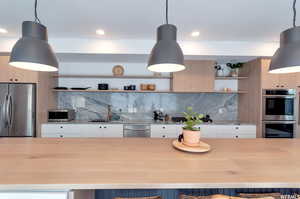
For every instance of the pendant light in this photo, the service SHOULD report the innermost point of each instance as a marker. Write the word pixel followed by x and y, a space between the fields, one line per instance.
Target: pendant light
pixel 166 55
pixel 32 51
pixel 287 58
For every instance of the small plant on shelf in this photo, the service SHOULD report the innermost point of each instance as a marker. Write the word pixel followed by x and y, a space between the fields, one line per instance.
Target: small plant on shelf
pixel 191 134
pixel 234 68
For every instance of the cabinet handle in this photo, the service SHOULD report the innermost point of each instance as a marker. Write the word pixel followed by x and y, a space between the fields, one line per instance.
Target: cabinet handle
pixel 100 127
pixel 61 127
pixel 104 127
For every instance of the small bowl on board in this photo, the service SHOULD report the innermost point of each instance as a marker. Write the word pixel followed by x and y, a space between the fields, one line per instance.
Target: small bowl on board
pixel 202 147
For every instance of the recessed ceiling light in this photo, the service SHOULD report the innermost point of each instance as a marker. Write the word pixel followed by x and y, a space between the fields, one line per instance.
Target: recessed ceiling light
pixel 100 32
pixel 3 31
pixel 195 34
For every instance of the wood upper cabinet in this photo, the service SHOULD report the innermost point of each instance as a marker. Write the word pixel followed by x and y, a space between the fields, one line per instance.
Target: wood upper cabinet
pixel 198 76
pixel 298 80
pixel 272 81
pixel 16 75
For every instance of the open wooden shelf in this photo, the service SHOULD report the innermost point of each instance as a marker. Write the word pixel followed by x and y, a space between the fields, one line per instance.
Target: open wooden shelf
pixel 139 91
pixel 113 77
pixel 230 78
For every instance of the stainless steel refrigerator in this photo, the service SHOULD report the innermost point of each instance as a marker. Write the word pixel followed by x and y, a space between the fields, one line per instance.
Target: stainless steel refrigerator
pixel 17 110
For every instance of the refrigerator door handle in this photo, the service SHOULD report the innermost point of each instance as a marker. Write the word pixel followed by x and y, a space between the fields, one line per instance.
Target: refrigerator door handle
pixel 6 112
pixel 10 110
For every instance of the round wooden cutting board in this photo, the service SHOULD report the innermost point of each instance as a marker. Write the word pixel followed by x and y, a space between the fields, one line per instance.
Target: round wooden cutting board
pixel 118 70
pixel 201 148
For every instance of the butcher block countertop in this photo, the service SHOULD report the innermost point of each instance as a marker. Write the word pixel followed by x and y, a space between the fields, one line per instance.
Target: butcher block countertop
pixel 132 163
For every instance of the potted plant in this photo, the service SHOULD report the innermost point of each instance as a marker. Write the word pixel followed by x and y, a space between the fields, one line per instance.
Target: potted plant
pixel 191 135
pixel 234 68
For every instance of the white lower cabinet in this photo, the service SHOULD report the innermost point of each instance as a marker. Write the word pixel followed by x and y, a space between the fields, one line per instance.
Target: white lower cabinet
pixel 82 130
pixel 228 131
pixel 34 195
pixel 165 131
pixel 73 194
pixel 207 131
pixel 157 130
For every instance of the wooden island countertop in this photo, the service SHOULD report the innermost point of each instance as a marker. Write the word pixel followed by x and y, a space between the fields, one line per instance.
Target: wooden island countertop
pixel 129 163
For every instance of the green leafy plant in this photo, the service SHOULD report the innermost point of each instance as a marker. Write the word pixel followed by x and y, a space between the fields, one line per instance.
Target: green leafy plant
pixel 192 119
pixel 234 66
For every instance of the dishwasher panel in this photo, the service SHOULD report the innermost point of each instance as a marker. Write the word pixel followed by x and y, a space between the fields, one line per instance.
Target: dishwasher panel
pixel 136 130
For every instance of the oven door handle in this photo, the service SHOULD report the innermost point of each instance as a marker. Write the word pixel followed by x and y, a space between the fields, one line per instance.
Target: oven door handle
pixel 279 122
pixel 279 96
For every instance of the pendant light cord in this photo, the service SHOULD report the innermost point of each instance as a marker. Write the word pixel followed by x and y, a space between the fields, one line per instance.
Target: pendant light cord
pixel 295 13
pixel 167 11
pixel 36 18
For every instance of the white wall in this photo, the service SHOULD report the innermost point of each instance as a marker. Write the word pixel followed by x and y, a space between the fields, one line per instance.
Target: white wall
pixel 105 68
pixel 221 84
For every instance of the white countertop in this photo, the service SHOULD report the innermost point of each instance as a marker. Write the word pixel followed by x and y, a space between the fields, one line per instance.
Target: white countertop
pixel 149 122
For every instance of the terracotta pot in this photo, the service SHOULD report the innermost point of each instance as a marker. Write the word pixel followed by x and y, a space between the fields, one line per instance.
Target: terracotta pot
pixel 191 138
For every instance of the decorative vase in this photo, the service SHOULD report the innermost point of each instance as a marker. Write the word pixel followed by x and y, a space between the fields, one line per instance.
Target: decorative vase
pixel 191 138
pixel 235 72
pixel 223 72
pixel 219 73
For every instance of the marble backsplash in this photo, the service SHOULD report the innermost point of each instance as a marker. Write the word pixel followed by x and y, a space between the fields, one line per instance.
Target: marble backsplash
pixel 140 106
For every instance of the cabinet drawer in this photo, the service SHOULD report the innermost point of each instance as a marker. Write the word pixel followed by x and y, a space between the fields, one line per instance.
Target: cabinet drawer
pixel 174 128
pixel 235 135
pixel 62 135
pixel 34 195
pixel 246 129
pixel 167 131
pixel 247 135
pixel 164 135
pixel 82 130
pixel 70 128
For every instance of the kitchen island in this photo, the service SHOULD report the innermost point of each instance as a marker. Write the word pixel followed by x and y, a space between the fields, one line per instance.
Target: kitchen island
pixel 135 163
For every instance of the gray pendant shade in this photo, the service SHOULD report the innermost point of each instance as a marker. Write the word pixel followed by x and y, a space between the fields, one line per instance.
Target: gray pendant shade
pixel 166 55
pixel 32 51
pixel 287 58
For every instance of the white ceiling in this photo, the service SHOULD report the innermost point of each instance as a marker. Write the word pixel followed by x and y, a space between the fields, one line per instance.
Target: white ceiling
pixel 220 20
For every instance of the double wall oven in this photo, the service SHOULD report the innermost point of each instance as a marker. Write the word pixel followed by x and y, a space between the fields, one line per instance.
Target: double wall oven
pixel 278 113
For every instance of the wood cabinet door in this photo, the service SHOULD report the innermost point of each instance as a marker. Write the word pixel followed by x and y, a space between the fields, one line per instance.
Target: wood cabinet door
pixel 24 76
pixel 13 74
pixel 268 80
pixel 288 80
pixel 6 74
pixel 198 76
